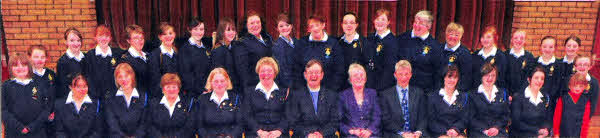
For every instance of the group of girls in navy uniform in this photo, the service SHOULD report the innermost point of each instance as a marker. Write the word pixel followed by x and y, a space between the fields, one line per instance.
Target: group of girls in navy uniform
pixel 255 85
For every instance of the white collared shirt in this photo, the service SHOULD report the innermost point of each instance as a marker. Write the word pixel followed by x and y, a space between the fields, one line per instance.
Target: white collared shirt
pixel 325 37
pixel 454 48
pixel 385 33
pixel 541 60
pixel 517 54
pixel 99 52
pixel 356 37
pixel 568 61
pixel 286 40
pixel 134 53
pixel 534 100
pixel 488 97
pixel 191 40
pixel 486 55
pixel 449 99
pixel 169 52
pixel 70 100
pixel 214 98
pixel 171 108
pixel 267 93
pixel 41 73
pixel 423 37
pixel 134 93
pixel 72 55
pixel 23 82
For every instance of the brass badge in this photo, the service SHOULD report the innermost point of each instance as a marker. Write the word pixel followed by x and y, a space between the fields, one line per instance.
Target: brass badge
pixel 34 94
pixel 379 47
pixel 551 69
pixel 327 52
pixel 523 64
pixel 587 88
pixel 493 60
pixel 113 61
pixel 207 53
pixel 355 45
pixel 452 59
pixel 49 77
pixel 426 50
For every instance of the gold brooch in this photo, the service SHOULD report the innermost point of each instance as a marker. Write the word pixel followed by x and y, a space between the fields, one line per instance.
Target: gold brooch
pixel 355 45
pixel 551 69
pixel 451 59
pixel 588 87
pixel 523 64
pixel 113 61
pixel 426 50
pixel 493 61
pixel 327 52
pixel 207 53
pixel 34 90
pixel 49 77
pixel 379 47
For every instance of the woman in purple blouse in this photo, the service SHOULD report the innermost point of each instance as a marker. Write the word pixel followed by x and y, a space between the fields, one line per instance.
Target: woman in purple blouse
pixel 359 107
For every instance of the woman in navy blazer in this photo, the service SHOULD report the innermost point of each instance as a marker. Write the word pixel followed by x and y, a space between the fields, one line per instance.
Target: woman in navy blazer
pixel 221 53
pixel 218 112
pixel 531 114
pixel 256 44
pixel 265 105
pixel 448 107
pixel 77 115
pixel 489 106
pixel 26 101
pixel 170 116
pixel 359 107
pixel 124 111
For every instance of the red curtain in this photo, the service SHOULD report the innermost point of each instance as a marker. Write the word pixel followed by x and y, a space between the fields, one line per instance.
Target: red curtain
pixel 474 15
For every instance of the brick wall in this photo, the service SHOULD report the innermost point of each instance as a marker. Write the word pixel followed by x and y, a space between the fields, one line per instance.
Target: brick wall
pixel 558 19
pixel 43 22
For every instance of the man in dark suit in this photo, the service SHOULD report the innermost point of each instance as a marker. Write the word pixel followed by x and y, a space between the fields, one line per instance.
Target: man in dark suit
pixel 402 103
pixel 322 118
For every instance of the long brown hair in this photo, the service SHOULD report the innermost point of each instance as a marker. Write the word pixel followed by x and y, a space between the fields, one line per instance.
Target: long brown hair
pixel 221 28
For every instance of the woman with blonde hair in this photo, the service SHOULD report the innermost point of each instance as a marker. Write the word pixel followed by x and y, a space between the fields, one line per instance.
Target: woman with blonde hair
pixel 218 112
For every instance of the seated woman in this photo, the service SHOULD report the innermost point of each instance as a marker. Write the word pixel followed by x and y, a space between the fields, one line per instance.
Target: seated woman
pixel 265 105
pixel 124 111
pixel 573 110
pixel 170 115
pixel 78 116
pixel 530 112
pixel 448 109
pixel 359 107
pixel 489 106
pixel 26 101
pixel 218 113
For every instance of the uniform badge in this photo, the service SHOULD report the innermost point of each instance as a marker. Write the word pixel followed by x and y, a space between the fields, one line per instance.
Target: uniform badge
pixel 523 64
pixel 493 61
pixel 178 105
pixel 207 53
pixel 355 45
pixel 587 88
pixel 34 94
pixel 83 107
pixel 327 52
pixel 49 77
pixel 113 61
pixel 452 59
pixel 426 50
pixel 574 70
pixel 379 47
pixel 551 70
